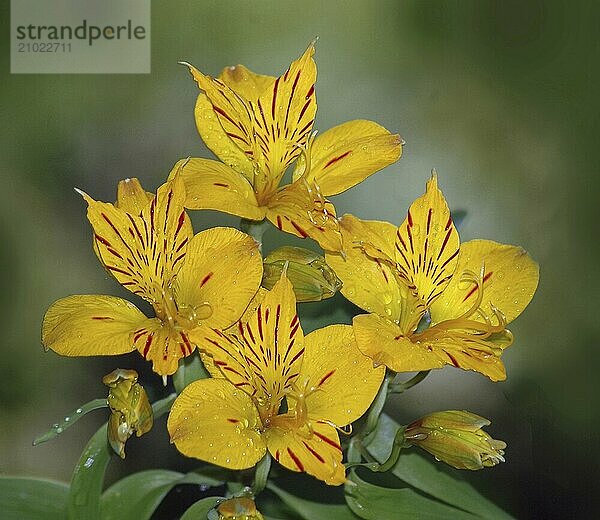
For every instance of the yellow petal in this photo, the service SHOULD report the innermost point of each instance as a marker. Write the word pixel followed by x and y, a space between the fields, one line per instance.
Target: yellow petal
pixel 368 282
pixel 385 343
pixel 216 139
pixel 212 421
pixel 314 449
pixel 131 197
pixel 284 117
pixel 509 282
pixel 427 245
pixel 347 154
pixel 214 185
pixel 246 83
pixel 300 209
pixel 162 344
pixel 344 379
pixel 143 252
pixel 222 269
pixel 91 326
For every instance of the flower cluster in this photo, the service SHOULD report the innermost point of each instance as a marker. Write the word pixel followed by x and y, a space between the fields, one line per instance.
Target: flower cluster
pixel 429 300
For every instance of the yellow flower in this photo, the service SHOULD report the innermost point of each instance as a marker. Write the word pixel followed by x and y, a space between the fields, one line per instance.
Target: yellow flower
pixel 418 274
pixel 456 438
pixel 274 389
pixel 258 126
pixel 131 411
pixel 147 243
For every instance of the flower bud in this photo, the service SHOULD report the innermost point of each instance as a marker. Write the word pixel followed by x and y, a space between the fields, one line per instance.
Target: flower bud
pixel 241 508
pixel 313 280
pixel 456 438
pixel 131 411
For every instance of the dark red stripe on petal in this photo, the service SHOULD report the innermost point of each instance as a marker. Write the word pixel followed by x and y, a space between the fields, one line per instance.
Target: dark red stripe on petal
pixel 453 360
pixel 274 102
pixel 313 452
pixel 338 158
pixel 102 318
pixel 147 345
pixel 221 184
pixel 326 377
pixel 329 441
pixel 259 321
pixel 279 223
pixel 206 279
pixel 301 231
pixel 296 460
pixel 234 421
pixel 298 354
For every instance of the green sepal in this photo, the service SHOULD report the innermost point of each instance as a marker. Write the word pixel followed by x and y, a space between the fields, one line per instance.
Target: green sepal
pixel 190 369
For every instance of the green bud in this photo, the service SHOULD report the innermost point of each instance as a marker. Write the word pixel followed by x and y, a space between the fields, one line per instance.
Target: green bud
pixel 241 508
pixel 131 410
pixel 313 280
pixel 456 438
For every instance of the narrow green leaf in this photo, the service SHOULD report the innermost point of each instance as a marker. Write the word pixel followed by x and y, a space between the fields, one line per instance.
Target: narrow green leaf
pixel 32 499
pixel 137 496
pixel 374 503
pixel 312 510
pixel 200 510
pixel 88 476
pixel 424 475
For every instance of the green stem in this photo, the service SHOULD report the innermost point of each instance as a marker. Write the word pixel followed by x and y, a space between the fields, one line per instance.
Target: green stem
pixel 69 420
pixel 375 410
pixel 262 474
pixel 398 388
pixel 255 228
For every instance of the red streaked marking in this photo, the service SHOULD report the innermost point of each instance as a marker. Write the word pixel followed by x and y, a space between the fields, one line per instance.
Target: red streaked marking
pixel 182 348
pixel 329 441
pixel 470 293
pixel 221 184
pixel 139 334
pixel 295 459
pixel 117 270
pixel 222 112
pixel 326 377
pixel 311 91
pixel 446 238
pixel 102 318
pixel 274 102
pixel 234 421
pixel 206 279
pixel 102 240
pixel 180 223
pixel 448 224
pixel 220 363
pixel 187 342
pixel 338 158
pixel 279 223
pixel 277 454
pixel 453 360
pixel 316 455
pixel 410 220
pixel 180 246
pixel 249 329
pixel 259 319
pixel 298 354
pixel 429 219
pixel 147 345
pixel 304 109
pixel 301 231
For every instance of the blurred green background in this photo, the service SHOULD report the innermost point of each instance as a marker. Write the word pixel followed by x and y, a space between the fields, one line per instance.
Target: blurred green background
pixel 499 96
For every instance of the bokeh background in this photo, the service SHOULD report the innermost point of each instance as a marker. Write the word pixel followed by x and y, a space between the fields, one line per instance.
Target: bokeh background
pixel 499 96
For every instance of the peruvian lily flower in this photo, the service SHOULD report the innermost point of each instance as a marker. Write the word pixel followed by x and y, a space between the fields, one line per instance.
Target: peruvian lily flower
pixel 260 125
pixel 417 275
pixel 147 243
pixel 274 389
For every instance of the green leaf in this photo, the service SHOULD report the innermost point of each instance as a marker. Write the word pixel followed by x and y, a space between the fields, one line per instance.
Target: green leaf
pixel 32 499
pixel 200 509
pixel 415 470
pixel 312 510
pixel 137 496
pixel 88 476
pixel 373 502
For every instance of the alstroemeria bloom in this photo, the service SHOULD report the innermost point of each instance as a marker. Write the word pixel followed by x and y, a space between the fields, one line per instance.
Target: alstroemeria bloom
pixel 258 126
pixel 233 418
pixel 468 292
pixel 147 243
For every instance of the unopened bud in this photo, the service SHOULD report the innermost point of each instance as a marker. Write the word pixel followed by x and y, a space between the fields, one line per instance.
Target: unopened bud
pixel 241 508
pixel 131 411
pixel 313 280
pixel 456 438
